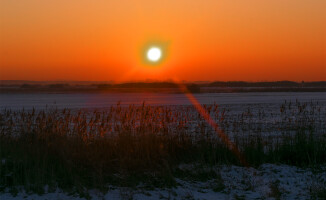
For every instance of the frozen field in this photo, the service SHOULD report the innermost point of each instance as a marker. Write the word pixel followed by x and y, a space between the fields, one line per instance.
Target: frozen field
pixel 242 115
pixel 98 100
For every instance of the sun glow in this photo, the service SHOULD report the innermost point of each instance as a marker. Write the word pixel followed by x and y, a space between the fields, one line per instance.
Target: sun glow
pixel 154 54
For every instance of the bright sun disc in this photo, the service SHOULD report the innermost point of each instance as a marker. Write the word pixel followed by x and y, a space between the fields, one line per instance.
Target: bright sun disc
pixel 154 54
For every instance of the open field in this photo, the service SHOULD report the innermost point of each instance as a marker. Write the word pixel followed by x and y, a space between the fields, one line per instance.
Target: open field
pixel 146 151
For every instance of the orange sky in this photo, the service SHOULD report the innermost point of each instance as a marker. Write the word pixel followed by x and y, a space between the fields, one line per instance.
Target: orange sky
pixel 250 40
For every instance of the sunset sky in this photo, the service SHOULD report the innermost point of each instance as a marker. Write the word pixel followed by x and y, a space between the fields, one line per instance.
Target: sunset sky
pixel 103 40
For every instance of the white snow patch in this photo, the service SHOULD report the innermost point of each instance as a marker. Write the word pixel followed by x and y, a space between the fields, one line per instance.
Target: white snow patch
pixel 249 183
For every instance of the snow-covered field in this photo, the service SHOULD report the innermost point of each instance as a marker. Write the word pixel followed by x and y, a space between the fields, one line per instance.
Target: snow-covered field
pixel 17 101
pixel 239 115
pixel 269 181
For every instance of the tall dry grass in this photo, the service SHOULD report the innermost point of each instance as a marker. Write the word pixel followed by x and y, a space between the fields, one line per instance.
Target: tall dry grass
pixel 76 150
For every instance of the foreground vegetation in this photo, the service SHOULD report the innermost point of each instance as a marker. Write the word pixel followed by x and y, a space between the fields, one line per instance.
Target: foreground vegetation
pixel 76 150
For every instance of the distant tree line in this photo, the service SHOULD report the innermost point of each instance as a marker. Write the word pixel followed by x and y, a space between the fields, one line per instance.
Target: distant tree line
pixel 266 84
pixel 217 86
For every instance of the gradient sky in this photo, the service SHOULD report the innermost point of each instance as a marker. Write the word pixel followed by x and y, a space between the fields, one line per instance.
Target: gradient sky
pixel 226 40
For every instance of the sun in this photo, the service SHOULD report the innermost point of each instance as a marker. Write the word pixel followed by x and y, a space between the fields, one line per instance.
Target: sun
pixel 154 54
